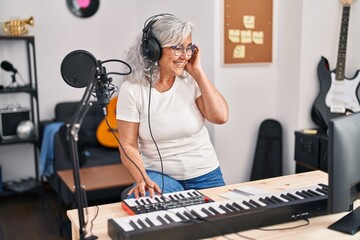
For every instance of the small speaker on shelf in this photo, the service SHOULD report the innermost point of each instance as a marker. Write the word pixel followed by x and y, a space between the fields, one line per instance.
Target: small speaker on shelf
pixel 10 119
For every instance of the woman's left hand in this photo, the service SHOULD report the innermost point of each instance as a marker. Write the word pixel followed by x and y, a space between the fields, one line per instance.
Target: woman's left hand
pixel 193 66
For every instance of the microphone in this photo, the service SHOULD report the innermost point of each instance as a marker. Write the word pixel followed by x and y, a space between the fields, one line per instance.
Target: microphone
pixel 80 68
pixel 7 66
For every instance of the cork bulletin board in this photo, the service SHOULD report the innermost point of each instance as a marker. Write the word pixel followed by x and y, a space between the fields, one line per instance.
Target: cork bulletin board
pixel 248 31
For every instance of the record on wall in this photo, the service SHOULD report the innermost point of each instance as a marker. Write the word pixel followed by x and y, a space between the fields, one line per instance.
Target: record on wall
pixel 83 8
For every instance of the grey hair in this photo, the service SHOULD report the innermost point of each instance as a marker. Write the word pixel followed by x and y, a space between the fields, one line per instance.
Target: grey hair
pixel 169 30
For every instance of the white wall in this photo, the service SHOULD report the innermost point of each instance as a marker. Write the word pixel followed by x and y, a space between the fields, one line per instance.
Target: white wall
pixel 285 89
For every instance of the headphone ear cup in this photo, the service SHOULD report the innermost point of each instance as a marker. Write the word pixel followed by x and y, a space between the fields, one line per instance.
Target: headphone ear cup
pixel 151 49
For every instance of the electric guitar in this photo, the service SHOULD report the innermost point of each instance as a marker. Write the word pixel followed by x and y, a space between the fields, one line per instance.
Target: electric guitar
pixel 338 94
pixel 104 133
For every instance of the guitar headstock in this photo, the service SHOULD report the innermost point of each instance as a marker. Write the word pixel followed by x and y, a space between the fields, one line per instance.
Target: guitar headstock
pixel 346 2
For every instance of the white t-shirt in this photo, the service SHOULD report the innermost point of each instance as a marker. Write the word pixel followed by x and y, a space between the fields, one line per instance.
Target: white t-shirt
pixel 176 124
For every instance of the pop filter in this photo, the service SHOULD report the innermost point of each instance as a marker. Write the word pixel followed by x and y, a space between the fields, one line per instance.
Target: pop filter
pixel 78 68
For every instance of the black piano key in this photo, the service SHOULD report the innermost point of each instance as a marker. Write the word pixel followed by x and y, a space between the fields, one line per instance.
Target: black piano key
pixel 270 200
pixel 276 199
pixel 253 202
pixel 248 204
pixel 196 193
pixel 176 196
pixel 149 222
pixel 189 193
pixel 134 225
pixel 181 216
pixel 195 214
pixel 320 190
pixel 265 201
pixel 204 210
pixel 286 197
pixel 172 198
pixel 292 196
pixel 141 223
pixel 148 200
pixel 138 203
pixel 157 199
pixel 213 210
pixel 142 201
pixel 307 193
pixel 324 186
pixel 301 194
pixel 230 207
pixel 169 218
pixel 313 192
pixel 225 208
pixel 189 215
pixel 182 196
pixel 161 220
pixel 238 206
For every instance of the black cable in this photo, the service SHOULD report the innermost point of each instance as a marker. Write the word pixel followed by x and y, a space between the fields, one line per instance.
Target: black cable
pixel 152 137
pixel 287 228
pixel 126 155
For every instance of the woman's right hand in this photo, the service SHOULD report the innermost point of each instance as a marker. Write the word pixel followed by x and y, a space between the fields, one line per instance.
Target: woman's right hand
pixel 140 189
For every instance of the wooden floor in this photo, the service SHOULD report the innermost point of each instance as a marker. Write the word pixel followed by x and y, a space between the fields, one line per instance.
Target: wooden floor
pixel 30 216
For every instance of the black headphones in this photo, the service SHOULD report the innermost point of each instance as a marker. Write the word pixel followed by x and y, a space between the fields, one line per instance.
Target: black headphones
pixel 150 46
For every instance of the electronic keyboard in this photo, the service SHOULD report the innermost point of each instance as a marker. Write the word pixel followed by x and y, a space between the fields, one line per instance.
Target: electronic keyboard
pixel 164 202
pixel 222 217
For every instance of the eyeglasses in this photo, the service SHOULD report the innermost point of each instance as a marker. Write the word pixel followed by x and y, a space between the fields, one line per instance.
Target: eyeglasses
pixel 189 50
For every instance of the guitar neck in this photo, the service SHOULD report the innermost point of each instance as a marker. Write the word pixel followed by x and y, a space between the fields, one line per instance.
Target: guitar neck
pixel 340 66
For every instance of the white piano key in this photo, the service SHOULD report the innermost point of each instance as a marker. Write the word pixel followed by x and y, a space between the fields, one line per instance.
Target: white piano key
pixel 124 224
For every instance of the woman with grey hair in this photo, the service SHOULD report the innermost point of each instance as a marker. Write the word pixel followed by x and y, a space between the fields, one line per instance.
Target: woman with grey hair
pixel 161 110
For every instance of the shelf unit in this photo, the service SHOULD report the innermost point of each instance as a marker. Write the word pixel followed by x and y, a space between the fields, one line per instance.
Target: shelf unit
pixel 31 89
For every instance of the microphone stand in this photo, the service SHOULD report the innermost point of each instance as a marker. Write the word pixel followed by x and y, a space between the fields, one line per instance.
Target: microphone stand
pixel 73 128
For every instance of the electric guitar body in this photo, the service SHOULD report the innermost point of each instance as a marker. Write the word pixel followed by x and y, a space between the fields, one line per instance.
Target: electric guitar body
pixel 104 133
pixel 338 95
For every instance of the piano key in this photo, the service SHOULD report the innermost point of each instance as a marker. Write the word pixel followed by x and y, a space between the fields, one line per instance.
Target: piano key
pixel 141 223
pixel 270 200
pixel 182 217
pixel 189 215
pixel 238 206
pixel 276 199
pixel 228 205
pixel 314 192
pixel 248 204
pixel 207 212
pixel 149 222
pixel 301 194
pixel 307 193
pixel 225 208
pixel 212 209
pixel 256 204
pixel 292 196
pixel 322 191
pixel 124 224
pixel 134 225
pixel 161 219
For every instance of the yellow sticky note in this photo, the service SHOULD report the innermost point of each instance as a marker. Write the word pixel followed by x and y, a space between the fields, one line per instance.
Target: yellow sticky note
pixel 246 36
pixel 239 51
pixel 249 21
pixel 234 35
pixel 258 37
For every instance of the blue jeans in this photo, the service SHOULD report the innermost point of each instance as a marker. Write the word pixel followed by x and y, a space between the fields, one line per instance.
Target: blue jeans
pixel 209 180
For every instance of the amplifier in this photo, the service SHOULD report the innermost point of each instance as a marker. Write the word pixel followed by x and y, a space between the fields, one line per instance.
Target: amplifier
pixel 9 120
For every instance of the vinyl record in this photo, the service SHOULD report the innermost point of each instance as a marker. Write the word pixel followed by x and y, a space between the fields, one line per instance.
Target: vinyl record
pixel 83 8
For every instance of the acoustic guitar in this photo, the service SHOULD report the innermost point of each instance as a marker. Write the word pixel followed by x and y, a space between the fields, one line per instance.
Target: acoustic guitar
pixel 338 94
pixel 105 133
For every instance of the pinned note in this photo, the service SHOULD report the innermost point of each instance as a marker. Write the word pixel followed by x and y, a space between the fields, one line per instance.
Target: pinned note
pixel 249 21
pixel 234 35
pixel 258 37
pixel 246 36
pixel 239 51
